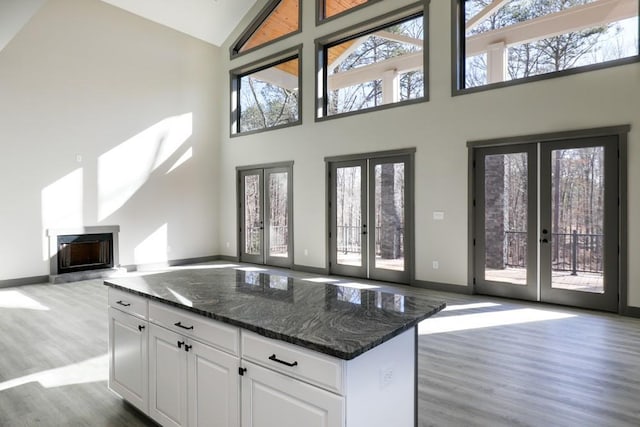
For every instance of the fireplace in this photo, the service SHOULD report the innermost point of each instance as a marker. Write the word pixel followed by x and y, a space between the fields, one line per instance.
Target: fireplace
pixel 80 252
pixel 83 252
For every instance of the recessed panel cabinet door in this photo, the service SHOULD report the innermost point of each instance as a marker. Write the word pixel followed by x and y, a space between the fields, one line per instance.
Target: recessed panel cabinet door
pixel 128 348
pixel 167 377
pixel 214 387
pixel 270 399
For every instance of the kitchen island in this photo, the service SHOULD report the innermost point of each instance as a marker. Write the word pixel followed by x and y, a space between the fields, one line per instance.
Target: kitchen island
pixel 223 346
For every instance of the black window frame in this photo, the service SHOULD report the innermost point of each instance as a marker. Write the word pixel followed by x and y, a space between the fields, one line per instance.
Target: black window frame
pixel 236 47
pixel 237 74
pixel 322 45
pixel 458 62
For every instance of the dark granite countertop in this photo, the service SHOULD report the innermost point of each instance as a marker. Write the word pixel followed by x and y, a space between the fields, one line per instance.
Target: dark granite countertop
pixel 341 320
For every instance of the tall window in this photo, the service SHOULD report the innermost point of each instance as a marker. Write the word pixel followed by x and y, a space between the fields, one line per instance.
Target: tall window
pixel 266 96
pixel 374 67
pixel 507 40
pixel 277 20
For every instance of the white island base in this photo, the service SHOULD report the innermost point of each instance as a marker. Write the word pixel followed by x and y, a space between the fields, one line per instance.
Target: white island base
pixel 182 369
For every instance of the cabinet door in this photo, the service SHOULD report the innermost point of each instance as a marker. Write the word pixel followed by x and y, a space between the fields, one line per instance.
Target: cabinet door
pixel 270 399
pixel 167 377
pixel 128 346
pixel 214 387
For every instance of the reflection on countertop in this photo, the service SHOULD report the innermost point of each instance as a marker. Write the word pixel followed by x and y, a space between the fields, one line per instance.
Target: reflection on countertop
pixel 340 319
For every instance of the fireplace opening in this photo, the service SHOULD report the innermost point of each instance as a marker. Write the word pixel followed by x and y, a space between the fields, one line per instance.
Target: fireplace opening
pixel 82 252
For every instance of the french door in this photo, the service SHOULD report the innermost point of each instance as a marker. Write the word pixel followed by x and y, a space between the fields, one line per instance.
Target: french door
pixel 371 223
pixel 265 233
pixel 546 222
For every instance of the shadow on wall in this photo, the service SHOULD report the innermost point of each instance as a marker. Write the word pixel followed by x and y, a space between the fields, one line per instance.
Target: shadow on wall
pixel 122 172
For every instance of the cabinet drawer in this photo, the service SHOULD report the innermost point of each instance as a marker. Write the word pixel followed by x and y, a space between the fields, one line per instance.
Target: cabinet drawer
pixel 217 334
pixel 307 365
pixel 128 303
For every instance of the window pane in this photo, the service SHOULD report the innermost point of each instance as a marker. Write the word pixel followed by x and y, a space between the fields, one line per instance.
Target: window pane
pixel 269 97
pixel 577 219
pixel 252 222
pixel 506 195
pixel 389 216
pixel 336 7
pixel 522 38
pixel 382 67
pixel 282 21
pixel 349 215
pixel 278 215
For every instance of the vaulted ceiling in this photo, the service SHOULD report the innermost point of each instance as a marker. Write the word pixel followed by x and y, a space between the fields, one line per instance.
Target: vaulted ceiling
pixel 208 20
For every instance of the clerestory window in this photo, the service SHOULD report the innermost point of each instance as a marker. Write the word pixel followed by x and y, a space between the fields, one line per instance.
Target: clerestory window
pixel 266 94
pixel 502 42
pixel 278 19
pixel 373 67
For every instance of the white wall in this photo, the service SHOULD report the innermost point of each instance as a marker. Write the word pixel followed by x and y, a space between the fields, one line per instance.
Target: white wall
pixel 439 130
pixel 129 97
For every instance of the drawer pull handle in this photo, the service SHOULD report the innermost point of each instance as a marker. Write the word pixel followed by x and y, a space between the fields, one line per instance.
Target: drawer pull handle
pixel 180 325
pixel 122 303
pixel 187 347
pixel 180 344
pixel 275 359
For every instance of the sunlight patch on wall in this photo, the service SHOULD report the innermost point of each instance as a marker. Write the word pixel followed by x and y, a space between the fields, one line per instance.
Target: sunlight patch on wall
pixel 16 299
pixel 62 204
pixel 88 371
pixel 186 156
pixel 153 249
pixel 123 170
pixel 486 320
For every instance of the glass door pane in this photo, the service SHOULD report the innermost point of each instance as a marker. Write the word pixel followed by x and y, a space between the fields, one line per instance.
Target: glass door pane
pixel 579 223
pixel 278 216
pixel 577 219
pixel 389 216
pixel 506 249
pixel 506 218
pixel 252 217
pixel 348 218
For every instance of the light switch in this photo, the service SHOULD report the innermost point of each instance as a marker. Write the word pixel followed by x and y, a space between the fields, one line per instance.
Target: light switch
pixel 438 215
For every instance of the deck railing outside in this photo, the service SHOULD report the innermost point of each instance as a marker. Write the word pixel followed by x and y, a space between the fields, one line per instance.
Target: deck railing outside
pixel 349 239
pixel 574 252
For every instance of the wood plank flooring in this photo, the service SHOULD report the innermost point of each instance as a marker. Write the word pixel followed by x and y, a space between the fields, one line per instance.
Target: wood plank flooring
pixel 482 362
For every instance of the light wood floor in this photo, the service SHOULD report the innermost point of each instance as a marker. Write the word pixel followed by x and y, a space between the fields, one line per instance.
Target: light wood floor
pixel 482 362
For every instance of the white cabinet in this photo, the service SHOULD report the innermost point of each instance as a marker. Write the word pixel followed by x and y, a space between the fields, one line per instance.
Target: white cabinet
pixel 184 369
pixel 287 385
pixel 270 399
pixel 128 356
pixel 191 383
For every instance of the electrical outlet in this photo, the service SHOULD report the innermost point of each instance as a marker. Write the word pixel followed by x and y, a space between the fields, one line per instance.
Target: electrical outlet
pixel 306 252
pixel 436 265
pixel 386 377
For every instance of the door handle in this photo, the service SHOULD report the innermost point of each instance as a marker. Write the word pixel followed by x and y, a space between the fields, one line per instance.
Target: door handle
pixel 544 240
